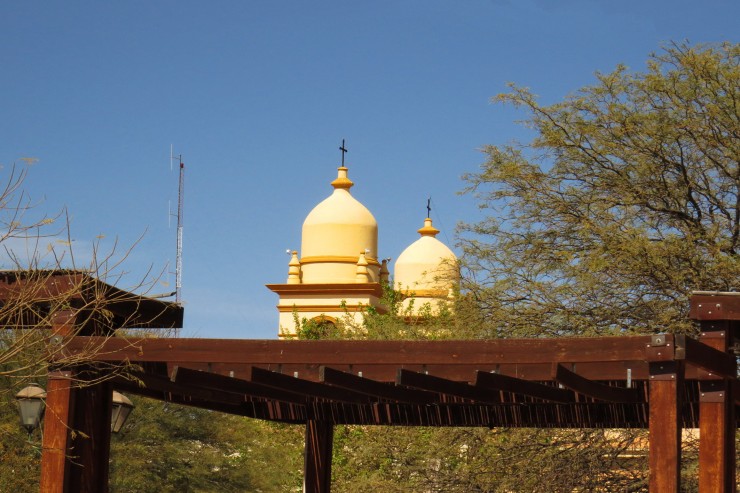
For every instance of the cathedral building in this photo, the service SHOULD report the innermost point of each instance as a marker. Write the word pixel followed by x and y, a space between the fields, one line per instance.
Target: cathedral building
pixel 338 274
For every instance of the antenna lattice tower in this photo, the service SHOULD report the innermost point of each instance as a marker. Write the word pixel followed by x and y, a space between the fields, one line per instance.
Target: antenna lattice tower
pixel 178 261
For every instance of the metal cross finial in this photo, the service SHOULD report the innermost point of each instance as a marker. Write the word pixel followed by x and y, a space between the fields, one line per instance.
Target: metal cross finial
pixel 429 207
pixel 344 151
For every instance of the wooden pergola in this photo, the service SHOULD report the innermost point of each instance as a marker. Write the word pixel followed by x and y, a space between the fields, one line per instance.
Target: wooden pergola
pixel 662 382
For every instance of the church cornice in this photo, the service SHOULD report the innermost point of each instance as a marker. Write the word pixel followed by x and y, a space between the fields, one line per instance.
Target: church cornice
pixel 327 308
pixel 356 289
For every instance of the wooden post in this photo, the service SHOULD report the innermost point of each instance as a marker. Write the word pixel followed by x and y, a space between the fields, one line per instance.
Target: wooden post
pixel 317 465
pixel 88 472
pixel 58 417
pixel 55 444
pixel 666 383
pixel 716 419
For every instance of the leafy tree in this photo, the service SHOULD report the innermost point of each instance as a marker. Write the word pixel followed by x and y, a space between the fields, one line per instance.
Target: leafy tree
pixel 626 200
pixel 183 449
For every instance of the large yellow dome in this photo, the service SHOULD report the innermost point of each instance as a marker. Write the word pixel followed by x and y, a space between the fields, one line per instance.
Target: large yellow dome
pixel 334 235
pixel 426 268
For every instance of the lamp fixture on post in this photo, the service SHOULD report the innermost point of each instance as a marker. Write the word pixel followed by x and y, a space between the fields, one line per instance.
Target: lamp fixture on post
pixel 31 406
pixel 122 407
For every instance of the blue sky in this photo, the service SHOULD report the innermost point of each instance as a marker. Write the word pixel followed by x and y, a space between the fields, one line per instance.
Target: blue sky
pixel 257 97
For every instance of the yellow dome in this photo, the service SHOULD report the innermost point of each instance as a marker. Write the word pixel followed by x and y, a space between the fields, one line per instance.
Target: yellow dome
pixel 334 235
pixel 427 267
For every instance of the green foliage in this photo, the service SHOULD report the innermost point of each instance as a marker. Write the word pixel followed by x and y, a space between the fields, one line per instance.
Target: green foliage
pixel 314 329
pixel 627 198
pixel 177 448
pixel 395 459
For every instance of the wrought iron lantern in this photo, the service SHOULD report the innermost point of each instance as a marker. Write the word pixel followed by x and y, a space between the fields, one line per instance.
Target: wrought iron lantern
pixel 31 406
pixel 122 407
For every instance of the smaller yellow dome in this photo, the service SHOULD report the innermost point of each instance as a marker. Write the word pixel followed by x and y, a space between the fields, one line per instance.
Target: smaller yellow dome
pixel 427 266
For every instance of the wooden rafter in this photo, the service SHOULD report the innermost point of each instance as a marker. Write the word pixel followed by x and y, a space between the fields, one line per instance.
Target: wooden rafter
pixel 307 388
pixel 518 386
pixel 201 379
pixel 442 385
pixel 379 390
pixel 718 364
pixel 596 390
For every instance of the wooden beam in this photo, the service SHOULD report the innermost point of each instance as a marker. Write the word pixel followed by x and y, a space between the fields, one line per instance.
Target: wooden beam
pixel 129 309
pixel 715 306
pixel 41 285
pixel 205 380
pixel 454 370
pixel 718 363
pixel 307 388
pixel 153 385
pixel 665 426
pixel 335 353
pixel 523 414
pixel 267 410
pixel 378 390
pixel 317 465
pixel 518 386
pixel 443 386
pixel 596 390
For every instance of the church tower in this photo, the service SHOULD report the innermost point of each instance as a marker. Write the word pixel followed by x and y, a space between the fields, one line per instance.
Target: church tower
pixel 337 274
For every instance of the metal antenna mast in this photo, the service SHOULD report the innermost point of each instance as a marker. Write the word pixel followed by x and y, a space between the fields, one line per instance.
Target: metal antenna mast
pixel 180 199
pixel 178 262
